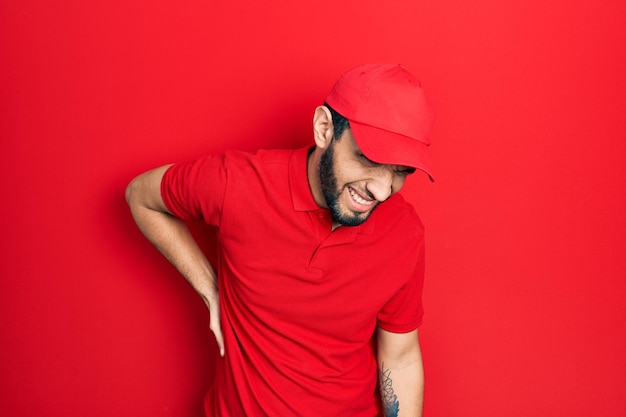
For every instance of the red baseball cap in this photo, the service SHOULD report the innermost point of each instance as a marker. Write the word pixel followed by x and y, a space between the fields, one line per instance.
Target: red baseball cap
pixel 389 114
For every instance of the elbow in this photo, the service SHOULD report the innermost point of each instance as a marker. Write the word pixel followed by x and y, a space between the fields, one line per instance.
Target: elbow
pixel 131 191
pixel 145 190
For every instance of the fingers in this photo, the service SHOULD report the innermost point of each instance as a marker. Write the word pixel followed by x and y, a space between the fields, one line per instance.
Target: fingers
pixel 215 324
pixel 212 301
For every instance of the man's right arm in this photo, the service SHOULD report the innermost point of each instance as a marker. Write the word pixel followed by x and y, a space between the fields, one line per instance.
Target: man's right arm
pixel 172 238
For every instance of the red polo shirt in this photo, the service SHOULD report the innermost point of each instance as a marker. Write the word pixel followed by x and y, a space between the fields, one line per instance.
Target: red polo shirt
pixel 299 302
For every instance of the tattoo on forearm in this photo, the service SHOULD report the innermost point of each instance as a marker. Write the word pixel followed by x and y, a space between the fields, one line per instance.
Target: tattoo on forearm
pixel 391 406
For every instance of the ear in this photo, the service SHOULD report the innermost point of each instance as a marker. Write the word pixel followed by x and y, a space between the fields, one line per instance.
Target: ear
pixel 323 130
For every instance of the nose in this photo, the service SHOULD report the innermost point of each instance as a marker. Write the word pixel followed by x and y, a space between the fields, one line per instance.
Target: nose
pixel 381 183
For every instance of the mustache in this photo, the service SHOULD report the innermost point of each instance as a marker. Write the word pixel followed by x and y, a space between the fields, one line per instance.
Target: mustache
pixel 365 192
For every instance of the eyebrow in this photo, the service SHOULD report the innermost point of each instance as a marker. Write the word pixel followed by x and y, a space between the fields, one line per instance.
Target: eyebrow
pixel 361 154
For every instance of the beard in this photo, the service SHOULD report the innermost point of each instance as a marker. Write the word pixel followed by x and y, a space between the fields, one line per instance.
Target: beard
pixel 332 192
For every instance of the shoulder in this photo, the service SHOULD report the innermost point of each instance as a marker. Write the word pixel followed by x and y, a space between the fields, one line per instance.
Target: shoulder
pixel 266 167
pixel 397 231
pixel 398 214
pixel 259 158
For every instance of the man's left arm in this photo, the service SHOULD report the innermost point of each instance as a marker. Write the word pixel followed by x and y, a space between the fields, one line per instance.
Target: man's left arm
pixel 400 373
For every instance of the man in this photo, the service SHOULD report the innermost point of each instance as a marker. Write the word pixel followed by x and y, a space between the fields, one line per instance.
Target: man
pixel 321 262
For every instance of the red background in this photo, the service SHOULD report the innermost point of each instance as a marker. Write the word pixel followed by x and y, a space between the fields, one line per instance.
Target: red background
pixel 526 273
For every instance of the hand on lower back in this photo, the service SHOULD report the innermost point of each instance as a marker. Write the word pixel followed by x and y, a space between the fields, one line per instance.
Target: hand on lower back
pixel 212 302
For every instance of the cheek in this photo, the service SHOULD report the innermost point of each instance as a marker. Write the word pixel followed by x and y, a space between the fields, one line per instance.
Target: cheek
pixel 349 174
pixel 398 182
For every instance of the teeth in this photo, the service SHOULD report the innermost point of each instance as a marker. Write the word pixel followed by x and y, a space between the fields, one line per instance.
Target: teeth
pixel 359 199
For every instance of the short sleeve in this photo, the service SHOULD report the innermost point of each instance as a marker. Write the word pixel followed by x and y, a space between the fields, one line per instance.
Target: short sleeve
pixel 195 190
pixel 404 312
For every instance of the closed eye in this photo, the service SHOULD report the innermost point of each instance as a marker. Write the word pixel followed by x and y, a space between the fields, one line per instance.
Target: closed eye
pixel 406 171
pixel 402 170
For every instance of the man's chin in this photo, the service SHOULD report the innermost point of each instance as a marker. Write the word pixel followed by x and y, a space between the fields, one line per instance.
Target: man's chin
pixel 352 219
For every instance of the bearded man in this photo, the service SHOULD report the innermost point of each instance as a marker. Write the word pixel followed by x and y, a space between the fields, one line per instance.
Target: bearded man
pixel 316 298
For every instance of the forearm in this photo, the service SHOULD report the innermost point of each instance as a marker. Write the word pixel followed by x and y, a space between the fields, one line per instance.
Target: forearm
pixel 172 238
pixel 401 389
pixel 167 233
pixel 401 379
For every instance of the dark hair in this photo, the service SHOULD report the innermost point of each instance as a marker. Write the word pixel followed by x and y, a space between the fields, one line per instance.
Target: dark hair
pixel 340 123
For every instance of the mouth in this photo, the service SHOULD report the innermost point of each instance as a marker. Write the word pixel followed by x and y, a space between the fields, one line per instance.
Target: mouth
pixel 359 202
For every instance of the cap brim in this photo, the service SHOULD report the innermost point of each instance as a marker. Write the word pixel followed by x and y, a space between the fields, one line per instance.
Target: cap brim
pixel 389 148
